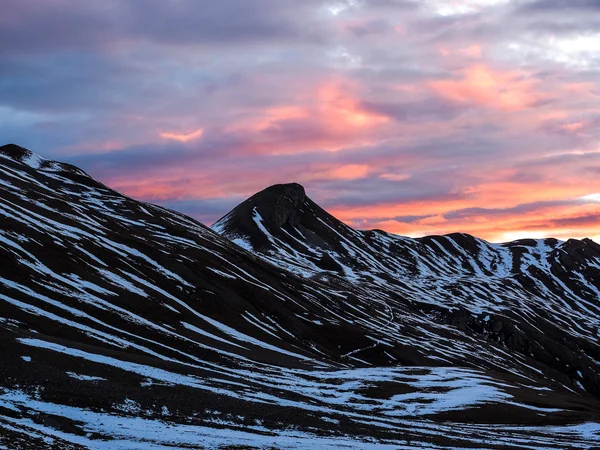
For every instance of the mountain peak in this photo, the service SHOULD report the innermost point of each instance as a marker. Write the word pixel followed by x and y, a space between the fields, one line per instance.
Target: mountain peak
pixel 15 152
pixel 277 209
pixel 285 190
pixel 278 204
pixel 281 213
pixel 25 156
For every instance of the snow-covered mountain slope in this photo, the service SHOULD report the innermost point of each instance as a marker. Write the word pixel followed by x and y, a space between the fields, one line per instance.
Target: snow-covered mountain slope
pixel 539 299
pixel 125 325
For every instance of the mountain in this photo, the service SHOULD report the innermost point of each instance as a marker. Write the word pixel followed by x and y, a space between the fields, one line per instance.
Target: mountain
pixel 538 298
pixel 124 325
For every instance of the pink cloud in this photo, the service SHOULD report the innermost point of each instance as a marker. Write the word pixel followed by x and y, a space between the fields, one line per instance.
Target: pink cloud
pixel 480 85
pixel 473 51
pixel 327 116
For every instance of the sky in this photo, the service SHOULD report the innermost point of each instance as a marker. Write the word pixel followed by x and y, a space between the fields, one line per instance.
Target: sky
pixel 416 117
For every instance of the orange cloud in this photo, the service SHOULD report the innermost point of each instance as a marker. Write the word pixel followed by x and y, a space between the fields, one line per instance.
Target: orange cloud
pixel 343 111
pixel 406 208
pixel 505 194
pixel 183 137
pixel 577 220
pixel 349 172
pixel 486 87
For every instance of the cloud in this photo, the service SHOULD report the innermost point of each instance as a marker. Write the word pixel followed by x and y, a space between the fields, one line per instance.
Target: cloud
pixel 394 176
pixel 521 209
pixel 411 219
pixel 110 25
pixel 588 220
pixel 349 172
pixel 559 6
pixel 416 117
pixel 480 85
pixel 183 137
pixel 418 110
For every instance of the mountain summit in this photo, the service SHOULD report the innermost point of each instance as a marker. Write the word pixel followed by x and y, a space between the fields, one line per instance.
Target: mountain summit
pixel 277 206
pixel 15 152
pixel 281 214
pixel 22 155
pixel 127 325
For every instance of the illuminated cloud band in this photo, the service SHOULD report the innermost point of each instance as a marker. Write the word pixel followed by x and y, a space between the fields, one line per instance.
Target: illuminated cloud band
pixel 417 117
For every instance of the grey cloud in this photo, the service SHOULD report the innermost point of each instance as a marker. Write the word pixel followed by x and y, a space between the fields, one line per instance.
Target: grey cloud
pixel 371 27
pixel 362 192
pixel 560 6
pixel 523 208
pixel 430 108
pixel 410 219
pixel 578 221
pixel 38 26
pixel 222 22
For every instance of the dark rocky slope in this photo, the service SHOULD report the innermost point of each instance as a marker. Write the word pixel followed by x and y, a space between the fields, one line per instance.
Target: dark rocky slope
pixel 126 325
pixel 537 298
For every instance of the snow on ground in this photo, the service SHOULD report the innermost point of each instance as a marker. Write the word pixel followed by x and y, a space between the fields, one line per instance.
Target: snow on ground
pixel 85 377
pixel 121 432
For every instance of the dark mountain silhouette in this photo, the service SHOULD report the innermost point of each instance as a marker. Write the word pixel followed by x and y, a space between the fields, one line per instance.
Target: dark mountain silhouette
pixel 127 325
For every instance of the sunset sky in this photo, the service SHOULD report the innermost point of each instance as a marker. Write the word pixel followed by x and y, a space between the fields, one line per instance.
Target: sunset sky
pixel 416 117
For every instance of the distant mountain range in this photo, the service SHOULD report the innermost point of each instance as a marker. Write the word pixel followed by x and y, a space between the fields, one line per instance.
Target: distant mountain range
pixel 125 325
